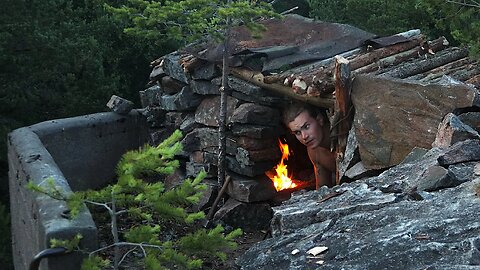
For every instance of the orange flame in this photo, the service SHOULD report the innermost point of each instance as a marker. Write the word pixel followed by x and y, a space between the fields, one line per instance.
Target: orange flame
pixel 282 180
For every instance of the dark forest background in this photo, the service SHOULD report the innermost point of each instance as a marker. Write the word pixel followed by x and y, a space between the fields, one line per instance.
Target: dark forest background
pixel 63 58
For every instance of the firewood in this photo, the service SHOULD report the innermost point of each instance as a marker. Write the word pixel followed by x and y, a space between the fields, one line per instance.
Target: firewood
pixel 412 68
pixel 393 60
pixel 249 76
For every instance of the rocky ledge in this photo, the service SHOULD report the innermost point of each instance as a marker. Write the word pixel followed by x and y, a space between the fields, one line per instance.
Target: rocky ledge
pixel 421 214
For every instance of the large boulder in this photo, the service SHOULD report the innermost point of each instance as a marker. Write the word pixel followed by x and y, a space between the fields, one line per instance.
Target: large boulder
pixel 393 116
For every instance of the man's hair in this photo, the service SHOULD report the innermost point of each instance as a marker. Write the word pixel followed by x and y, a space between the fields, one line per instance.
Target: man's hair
pixel 294 109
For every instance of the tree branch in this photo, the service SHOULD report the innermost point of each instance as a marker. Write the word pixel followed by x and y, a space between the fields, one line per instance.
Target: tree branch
pixel 475 3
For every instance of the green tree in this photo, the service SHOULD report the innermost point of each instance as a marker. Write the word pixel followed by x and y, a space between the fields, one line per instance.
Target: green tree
pixel 150 208
pixel 195 21
pixel 383 17
pixel 458 21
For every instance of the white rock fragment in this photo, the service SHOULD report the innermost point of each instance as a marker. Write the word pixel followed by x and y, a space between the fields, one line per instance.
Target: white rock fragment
pixel 320 262
pixel 295 251
pixel 317 250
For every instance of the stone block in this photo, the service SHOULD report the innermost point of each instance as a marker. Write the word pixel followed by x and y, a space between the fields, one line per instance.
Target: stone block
pixel 208 111
pixel 188 124
pixel 472 119
pixel 248 190
pixel 250 157
pixel 174 179
pixel 207 71
pixel 172 67
pixel 204 87
pixel 155 116
pixel 249 143
pixel 452 130
pixel 251 113
pixel 175 119
pixel 435 178
pixel 359 171
pixel 203 157
pixel 120 105
pixel 463 151
pixel 149 96
pixel 255 131
pixel 251 93
pixel 256 169
pixel 193 169
pixel 171 86
pixel 157 73
pixel 181 101
pixel 201 139
pixel 247 216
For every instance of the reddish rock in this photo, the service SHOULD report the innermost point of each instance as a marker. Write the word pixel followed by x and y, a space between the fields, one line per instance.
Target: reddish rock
pixel 394 116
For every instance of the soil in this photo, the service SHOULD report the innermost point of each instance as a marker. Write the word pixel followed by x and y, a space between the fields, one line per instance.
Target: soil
pixel 135 258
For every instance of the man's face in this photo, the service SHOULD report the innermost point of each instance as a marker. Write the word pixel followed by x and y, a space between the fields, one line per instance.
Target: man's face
pixel 308 129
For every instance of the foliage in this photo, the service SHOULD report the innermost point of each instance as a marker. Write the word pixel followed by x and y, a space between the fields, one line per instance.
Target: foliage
pixel 383 17
pixel 70 244
pixel 150 207
pixel 189 20
pixel 62 58
pixel 458 23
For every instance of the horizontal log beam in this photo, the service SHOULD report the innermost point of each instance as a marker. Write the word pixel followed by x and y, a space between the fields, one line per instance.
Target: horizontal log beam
pixel 256 78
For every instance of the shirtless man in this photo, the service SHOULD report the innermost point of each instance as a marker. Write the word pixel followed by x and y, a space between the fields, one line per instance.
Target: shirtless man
pixel 310 126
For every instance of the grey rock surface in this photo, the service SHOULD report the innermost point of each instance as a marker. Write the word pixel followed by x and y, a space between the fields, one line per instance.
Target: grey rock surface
pixel 389 221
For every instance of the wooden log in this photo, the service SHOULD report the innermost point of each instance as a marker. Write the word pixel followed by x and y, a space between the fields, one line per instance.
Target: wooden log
pixel 257 79
pixel 441 69
pixel 412 68
pixel 343 109
pixel 475 80
pixel 393 60
pixel 462 74
pixel 378 54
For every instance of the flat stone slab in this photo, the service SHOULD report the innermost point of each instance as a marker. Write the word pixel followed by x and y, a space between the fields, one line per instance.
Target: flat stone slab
pixel 251 113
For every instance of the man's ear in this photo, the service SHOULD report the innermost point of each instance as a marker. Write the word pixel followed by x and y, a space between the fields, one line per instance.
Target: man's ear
pixel 320 120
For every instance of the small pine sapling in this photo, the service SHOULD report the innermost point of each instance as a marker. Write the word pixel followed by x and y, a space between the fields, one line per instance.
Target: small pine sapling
pixel 151 208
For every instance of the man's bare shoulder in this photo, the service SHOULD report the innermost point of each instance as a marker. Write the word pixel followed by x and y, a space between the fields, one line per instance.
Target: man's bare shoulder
pixel 322 157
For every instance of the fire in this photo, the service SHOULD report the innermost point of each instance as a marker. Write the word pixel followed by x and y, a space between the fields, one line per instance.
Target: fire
pixel 282 180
